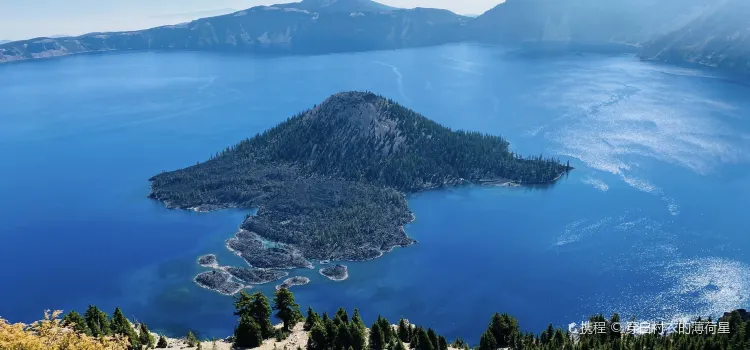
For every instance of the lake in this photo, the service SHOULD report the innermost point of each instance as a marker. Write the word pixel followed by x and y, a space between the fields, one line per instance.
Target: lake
pixel 651 224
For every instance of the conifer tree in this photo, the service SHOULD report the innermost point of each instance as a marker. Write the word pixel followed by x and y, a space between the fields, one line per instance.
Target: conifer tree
pixel 341 315
pixel 385 326
pixel 487 341
pixel 192 341
pixel 433 338
pixel 97 321
pixel 343 338
pixel 423 340
pixel 121 325
pixel 312 317
pixel 74 320
pixel 248 333
pixel 358 336
pixel 403 330
pixel 287 310
pixel 258 307
pixel 357 320
pixel 442 343
pixel 504 328
pixel 162 344
pixel 377 338
pixel 414 336
pixel 318 337
pixel 145 337
pixel 331 331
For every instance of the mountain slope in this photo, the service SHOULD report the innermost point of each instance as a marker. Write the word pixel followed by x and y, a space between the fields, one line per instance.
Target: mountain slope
pixel 347 6
pixel 330 182
pixel 632 22
pixel 266 29
pixel 720 37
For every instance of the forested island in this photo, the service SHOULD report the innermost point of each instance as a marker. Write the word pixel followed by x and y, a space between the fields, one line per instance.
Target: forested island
pixel 330 183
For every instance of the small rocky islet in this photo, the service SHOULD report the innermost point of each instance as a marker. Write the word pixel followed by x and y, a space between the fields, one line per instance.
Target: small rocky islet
pixel 294 281
pixel 331 182
pixel 335 272
pixel 219 281
pixel 208 260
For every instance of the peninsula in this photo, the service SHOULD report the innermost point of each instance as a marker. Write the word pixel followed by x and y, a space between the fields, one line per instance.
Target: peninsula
pixel 330 183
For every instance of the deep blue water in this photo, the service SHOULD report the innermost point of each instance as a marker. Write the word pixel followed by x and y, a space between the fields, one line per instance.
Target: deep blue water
pixel 652 223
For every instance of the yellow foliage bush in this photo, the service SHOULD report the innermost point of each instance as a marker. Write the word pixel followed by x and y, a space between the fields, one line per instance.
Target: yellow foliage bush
pixel 49 334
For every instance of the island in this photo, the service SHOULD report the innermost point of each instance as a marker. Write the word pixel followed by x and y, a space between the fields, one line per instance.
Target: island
pixel 219 281
pixel 208 260
pixel 255 276
pixel 294 281
pixel 330 183
pixel 336 272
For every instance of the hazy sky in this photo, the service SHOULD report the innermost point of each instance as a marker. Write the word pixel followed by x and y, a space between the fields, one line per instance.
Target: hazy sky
pixel 23 19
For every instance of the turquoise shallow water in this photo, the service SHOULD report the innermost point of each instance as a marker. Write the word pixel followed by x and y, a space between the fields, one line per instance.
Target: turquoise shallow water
pixel 651 223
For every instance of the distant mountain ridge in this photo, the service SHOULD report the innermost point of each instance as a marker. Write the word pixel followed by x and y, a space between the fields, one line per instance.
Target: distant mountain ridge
pixel 338 6
pixel 308 27
pixel 708 32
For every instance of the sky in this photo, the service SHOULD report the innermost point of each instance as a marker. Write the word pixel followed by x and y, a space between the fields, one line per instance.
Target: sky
pixel 24 19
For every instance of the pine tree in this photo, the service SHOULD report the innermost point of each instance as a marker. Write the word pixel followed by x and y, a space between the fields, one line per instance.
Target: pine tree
pixel 318 337
pixel 358 336
pixel 423 340
pixel 357 320
pixel 248 333
pixel 192 341
pixel 341 315
pixel 377 338
pixel 287 310
pixel 385 326
pixel 97 321
pixel 257 307
pixel 487 341
pixel 162 344
pixel 74 320
pixel 504 328
pixel 312 317
pixel 121 325
pixel 442 343
pixel 145 337
pixel 403 330
pixel 331 331
pixel 433 338
pixel 343 336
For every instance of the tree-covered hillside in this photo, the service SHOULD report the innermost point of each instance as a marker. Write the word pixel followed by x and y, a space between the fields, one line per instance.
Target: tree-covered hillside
pixel 97 330
pixel 330 181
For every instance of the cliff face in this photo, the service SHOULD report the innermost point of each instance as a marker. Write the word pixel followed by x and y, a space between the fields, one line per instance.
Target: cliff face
pixel 312 28
pixel 719 37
